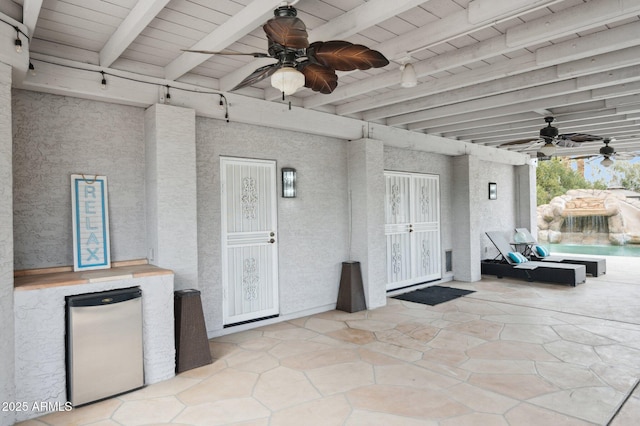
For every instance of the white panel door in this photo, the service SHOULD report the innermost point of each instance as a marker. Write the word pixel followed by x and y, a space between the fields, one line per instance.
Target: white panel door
pixel 425 221
pixel 397 226
pixel 412 228
pixel 249 240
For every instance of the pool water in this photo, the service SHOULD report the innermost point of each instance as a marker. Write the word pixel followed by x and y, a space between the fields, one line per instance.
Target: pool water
pixel 627 250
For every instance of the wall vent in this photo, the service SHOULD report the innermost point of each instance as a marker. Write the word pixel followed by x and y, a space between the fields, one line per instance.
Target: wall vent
pixel 448 254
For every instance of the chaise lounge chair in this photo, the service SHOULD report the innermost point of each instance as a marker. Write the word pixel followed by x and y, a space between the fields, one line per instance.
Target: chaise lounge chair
pixel 504 266
pixel 596 266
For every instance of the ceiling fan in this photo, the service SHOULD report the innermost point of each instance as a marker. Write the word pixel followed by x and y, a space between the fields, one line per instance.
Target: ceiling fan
pixel 608 154
pixel 550 139
pixel 300 63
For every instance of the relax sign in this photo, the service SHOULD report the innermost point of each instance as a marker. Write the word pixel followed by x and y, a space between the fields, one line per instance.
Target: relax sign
pixel 90 222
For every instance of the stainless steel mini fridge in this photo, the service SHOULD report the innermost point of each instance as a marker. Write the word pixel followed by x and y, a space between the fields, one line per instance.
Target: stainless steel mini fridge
pixel 104 344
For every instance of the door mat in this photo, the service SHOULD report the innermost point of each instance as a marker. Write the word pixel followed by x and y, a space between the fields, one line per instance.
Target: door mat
pixel 433 295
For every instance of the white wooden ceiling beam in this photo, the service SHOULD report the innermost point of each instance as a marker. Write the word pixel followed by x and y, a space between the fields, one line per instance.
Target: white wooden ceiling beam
pixel 140 16
pixel 344 26
pixel 632 108
pixel 482 11
pixel 609 78
pixel 623 100
pixel 572 20
pixel 488 102
pixel 30 13
pixel 618 59
pixel 484 81
pixel 531 124
pixel 593 44
pixel 470 78
pixel 474 78
pixel 558 100
pixel 458 58
pixel 242 23
pixel 619 90
pixel 445 29
pixel 488 123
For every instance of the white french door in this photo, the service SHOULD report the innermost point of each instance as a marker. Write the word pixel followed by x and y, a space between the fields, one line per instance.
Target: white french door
pixel 249 239
pixel 412 228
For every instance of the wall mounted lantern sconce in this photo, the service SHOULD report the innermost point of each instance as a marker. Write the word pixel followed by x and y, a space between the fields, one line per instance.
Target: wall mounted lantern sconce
pixel 288 182
pixel 493 191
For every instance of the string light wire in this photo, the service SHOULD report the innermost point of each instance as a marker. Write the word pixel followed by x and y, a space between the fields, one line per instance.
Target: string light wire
pixel 223 102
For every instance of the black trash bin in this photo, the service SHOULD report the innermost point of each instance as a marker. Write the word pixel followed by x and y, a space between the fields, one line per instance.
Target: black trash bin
pixel 192 345
pixel 351 292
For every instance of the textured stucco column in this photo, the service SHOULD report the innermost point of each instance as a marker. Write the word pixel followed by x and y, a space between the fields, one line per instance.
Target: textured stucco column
pixel 7 332
pixel 467 187
pixel 526 198
pixel 170 153
pixel 366 192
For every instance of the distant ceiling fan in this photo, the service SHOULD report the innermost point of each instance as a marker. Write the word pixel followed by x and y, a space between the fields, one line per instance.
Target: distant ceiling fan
pixel 550 139
pixel 608 154
pixel 300 63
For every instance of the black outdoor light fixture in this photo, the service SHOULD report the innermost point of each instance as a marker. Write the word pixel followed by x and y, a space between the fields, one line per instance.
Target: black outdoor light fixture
pixel 493 191
pixel 288 182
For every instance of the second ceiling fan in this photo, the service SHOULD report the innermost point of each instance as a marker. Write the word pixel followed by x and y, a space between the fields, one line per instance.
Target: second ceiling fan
pixel 550 138
pixel 300 63
pixel 608 154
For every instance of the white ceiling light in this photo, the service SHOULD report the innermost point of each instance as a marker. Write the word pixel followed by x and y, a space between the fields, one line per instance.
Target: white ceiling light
pixel 287 80
pixel 408 76
pixel 548 149
pixel 606 162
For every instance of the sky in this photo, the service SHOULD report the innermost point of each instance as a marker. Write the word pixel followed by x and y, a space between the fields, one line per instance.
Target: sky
pixel 594 171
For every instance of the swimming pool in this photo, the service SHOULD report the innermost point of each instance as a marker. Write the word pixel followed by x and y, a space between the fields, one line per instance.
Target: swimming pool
pixel 627 250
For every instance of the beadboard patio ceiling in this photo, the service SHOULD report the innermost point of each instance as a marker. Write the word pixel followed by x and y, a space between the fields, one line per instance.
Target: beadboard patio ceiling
pixel 489 71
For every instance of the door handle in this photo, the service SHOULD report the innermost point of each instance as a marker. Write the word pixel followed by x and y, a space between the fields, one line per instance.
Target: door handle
pixel 272 241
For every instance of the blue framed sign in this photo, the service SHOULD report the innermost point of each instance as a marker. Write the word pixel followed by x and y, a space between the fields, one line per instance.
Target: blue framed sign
pixel 90 208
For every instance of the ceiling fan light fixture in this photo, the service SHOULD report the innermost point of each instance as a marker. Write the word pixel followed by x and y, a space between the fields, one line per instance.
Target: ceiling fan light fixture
pixel 606 162
pixel 548 149
pixel 287 80
pixel 408 77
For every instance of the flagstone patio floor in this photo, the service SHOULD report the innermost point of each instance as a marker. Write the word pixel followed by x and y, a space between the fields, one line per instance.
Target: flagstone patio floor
pixel 512 353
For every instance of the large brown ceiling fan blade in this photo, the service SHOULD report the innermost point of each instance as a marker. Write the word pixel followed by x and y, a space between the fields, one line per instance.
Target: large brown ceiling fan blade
pixel 288 31
pixel 523 141
pixel 626 155
pixel 258 75
pixel 319 78
pixel 228 52
pixel 579 137
pixel 345 56
pixel 584 157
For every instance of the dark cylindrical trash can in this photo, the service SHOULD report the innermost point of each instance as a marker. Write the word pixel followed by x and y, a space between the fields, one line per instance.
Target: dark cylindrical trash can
pixel 351 292
pixel 192 345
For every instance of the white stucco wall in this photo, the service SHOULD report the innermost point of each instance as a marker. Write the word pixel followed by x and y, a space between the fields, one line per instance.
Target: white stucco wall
pixel 55 136
pixel 474 214
pixel 495 215
pixel 7 366
pixel 366 210
pixel 171 196
pixel 312 227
